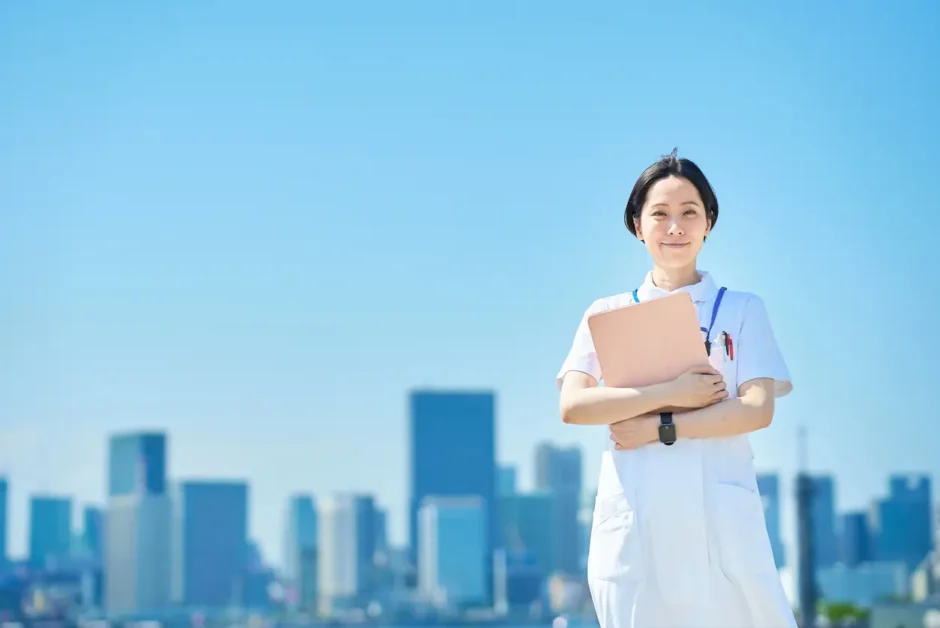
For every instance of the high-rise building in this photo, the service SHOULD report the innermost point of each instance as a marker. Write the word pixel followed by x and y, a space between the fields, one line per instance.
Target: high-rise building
pixel 4 517
pixel 50 531
pixel 825 541
pixel 301 531
pixel 300 549
pixel 904 521
pixel 453 563
pixel 93 533
pixel 506 480
pixel 768 484
pixel 381 530
pixel 527 527
pixel 453 453
pixel 558 471
pixel 855 539
pixel 346 547
pixel 210 543
pixel 138 528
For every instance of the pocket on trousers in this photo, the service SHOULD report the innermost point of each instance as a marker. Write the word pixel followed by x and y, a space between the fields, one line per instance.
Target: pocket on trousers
pixel 742 533
pixel 614 550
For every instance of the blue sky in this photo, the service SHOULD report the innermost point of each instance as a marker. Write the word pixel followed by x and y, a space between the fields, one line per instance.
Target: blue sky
pixel 259 228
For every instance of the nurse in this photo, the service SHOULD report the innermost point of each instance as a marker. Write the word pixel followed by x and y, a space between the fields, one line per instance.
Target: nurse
pixel 678 538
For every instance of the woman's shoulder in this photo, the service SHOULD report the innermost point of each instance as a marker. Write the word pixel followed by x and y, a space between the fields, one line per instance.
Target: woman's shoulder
pixel 742 299
pixel 612 302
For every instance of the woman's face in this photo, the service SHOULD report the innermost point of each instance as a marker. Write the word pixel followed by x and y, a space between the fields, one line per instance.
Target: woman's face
pixel 673 224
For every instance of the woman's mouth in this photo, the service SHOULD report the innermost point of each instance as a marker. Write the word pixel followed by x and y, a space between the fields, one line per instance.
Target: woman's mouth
pixel 675 245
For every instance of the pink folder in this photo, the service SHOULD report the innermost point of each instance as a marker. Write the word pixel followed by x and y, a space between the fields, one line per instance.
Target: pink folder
pixel 649 342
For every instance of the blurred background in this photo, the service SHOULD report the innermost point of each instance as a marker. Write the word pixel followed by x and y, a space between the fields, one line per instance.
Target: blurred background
pixel 286 286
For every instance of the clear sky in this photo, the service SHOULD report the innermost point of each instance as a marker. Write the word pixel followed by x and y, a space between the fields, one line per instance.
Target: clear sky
pixel 258 225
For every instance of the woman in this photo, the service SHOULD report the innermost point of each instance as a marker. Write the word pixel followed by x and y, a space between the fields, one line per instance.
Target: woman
pixel 678 538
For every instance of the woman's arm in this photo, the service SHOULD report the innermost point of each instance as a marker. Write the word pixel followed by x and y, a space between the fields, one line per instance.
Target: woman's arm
pixel 582 402
pixel 752 410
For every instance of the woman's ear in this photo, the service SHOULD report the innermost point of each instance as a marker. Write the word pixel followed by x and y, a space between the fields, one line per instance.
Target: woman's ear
pixel 636 227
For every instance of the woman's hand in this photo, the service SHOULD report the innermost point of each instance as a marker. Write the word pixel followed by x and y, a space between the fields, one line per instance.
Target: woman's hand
pixel 698 387
pixel 635 432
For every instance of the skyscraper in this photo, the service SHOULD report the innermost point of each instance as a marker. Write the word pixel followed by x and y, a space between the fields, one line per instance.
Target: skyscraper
pixel 346 548
pixel 855 539
pixel 4 490
pixel 558 471
pixel 905 520
pixel 93 534
pixel 210 543
pixel 506 477
pixel 769 486
pixel 527 526
pixel 138 526
pixel 453 453
pixel 825 541
pixel 452 551
pixel 50 530
pixel 300 550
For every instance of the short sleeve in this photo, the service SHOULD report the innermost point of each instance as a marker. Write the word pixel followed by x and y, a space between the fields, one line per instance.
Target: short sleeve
pixel 758 355
pixel 581 357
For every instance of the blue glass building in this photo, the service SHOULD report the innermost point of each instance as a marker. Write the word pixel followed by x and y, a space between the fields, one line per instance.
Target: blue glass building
pixel 453 453
pixel 904 520
pixel 768 484
pixel 454 565
pixel 137 464
pixel 50 530
pixel 210 542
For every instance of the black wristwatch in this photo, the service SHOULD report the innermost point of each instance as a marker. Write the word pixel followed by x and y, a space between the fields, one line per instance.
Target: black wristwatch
pixel 667 429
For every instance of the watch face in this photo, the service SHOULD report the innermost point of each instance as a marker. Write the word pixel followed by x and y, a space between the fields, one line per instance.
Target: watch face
pixel 667 434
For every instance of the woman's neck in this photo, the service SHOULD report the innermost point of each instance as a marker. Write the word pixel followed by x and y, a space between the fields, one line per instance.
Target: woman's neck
pixel 670 279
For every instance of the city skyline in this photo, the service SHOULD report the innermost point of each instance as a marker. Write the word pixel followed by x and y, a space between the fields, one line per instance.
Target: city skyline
pixel 830 517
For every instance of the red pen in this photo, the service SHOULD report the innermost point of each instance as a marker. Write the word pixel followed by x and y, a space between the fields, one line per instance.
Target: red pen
pixel 730 347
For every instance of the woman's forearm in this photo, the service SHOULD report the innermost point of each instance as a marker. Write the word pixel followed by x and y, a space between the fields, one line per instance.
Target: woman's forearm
pixel 603 405
pixel 751 411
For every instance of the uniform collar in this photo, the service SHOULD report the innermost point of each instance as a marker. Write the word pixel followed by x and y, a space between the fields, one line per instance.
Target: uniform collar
pixel 700 292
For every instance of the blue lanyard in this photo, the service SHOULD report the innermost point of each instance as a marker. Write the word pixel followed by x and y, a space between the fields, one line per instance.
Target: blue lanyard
pixel 708 332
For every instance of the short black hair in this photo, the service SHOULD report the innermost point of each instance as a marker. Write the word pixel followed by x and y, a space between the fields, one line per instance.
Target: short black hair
pixel 670 166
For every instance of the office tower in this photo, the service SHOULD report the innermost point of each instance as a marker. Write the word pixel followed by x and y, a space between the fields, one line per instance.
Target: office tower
pixel 300 550
pixel 381 530
pixel 453 551
pixel 826 545
pixel 4 518
pixel 453 453
pixel 346 546
pixel 301 532
pixel 806 545
pixel 50 531
pixel 506 481
pixel 138 530
pixel 768 484
pixel 855 539
pixel 93 533
pixel 558 470
pixel 210 542
pixel 527 527
pixel 904 520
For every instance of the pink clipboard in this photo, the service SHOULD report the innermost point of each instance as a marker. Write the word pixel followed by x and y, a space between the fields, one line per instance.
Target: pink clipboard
pixel 648 343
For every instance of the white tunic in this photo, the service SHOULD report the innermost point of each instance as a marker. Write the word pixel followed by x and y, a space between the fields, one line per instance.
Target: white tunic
pixel 679 538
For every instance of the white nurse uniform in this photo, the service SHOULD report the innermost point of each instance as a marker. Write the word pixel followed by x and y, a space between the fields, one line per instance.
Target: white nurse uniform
pixel 678 538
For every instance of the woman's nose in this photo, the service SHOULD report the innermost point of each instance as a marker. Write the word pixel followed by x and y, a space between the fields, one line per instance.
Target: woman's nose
pixel 675 228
